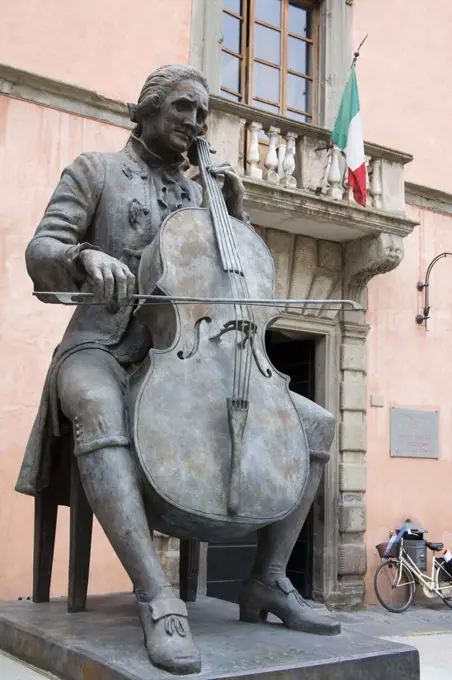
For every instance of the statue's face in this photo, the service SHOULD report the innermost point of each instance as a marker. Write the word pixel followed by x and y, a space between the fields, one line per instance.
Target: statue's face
pixel 180 119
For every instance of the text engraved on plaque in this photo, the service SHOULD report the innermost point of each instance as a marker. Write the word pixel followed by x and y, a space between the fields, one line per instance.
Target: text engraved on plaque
pixel 414 433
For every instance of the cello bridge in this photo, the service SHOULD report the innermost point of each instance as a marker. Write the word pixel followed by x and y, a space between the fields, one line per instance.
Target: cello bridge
pixel 248 328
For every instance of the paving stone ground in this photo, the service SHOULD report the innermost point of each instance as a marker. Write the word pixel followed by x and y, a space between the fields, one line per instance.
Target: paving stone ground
pixel 427 627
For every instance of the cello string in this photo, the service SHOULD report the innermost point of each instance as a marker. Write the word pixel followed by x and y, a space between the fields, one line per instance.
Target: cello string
pixel 210 185
pixel 246 369
pixel 234 294
pixel 247 318
pixel 244 388
pixel 216 208
pixel 244 383
pixel 239 281
pixel 204 154
pixel 227 236
pixel 215 201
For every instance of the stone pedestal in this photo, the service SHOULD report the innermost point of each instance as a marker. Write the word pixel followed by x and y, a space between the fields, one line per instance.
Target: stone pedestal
pixel 106 643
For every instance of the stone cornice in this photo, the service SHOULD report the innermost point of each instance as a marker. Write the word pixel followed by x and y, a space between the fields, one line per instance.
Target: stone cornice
pixel 62 96
pixel 426 197
pixel 80 101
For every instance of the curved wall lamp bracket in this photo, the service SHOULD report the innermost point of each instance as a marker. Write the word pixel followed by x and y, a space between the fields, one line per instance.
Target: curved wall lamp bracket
pixel 424 317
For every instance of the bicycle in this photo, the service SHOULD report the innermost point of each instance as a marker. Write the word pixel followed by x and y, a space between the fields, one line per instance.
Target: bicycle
pixel 396 577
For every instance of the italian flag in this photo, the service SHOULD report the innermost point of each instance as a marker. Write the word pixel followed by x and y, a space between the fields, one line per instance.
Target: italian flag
pixel 348 136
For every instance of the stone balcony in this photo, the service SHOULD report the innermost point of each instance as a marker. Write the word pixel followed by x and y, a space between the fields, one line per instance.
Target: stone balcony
pixel 296 184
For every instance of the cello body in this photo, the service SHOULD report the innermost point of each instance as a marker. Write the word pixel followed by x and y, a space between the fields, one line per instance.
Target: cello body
pixel 178 405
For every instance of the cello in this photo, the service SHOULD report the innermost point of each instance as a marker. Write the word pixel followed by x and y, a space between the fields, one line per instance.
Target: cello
pixel 217 438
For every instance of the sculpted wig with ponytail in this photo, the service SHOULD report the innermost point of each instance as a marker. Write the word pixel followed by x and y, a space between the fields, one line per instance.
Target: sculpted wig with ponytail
pixel 158 86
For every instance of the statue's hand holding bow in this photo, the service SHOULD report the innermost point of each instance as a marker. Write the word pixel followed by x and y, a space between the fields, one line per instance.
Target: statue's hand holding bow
pixel 111 280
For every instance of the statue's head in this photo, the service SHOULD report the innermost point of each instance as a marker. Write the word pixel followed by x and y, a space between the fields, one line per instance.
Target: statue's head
pixel 172 108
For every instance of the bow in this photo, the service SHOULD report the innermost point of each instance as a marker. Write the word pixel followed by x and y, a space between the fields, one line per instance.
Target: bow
pixel 67 298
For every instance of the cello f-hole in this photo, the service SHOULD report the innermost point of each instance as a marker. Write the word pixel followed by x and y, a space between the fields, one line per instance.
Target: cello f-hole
pixel 197 335
pixel 267 372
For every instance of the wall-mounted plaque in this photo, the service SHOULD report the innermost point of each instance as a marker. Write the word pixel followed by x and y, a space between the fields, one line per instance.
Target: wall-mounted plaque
pixel 414 433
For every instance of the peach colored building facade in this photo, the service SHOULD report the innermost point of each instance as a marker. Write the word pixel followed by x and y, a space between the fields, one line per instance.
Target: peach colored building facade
pixel 109 48
pixel 83 44
pixel 407 366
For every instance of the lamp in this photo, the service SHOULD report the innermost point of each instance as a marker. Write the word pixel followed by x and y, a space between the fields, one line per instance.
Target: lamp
pixel 423 318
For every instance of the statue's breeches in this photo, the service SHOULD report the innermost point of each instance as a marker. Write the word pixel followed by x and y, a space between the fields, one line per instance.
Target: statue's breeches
pixel 91 385
pixel 319 425
pixel 91 390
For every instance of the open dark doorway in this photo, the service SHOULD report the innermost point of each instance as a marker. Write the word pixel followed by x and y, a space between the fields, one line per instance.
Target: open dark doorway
pixel 228 564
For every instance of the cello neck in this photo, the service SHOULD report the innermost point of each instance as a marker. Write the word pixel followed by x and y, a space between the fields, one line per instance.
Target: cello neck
pixel 218 211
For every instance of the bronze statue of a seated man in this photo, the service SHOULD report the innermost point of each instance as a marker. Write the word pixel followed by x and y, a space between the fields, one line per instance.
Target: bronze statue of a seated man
pixel 106 208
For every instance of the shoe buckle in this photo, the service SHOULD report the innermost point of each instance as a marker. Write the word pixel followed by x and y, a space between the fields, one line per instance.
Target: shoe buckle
pixel 285 585
pixel 167 606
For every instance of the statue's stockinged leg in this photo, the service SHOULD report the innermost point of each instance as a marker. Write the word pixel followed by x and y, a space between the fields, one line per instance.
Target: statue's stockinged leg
pixel 91 397
pixel 268 590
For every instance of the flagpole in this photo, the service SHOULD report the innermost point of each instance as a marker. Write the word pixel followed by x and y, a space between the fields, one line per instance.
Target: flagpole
pixel 330 146
pixel 358 51
pixel 355 59
pixel 347 136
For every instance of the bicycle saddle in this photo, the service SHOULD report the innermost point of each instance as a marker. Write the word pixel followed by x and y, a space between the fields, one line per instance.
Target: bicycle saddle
pixel 434 546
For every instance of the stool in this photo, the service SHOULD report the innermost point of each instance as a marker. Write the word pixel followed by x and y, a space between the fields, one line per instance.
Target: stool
pixel 81 526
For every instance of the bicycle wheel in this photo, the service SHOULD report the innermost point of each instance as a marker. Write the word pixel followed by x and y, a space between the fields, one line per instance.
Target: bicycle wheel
pixel 447 599
pixel 394 586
